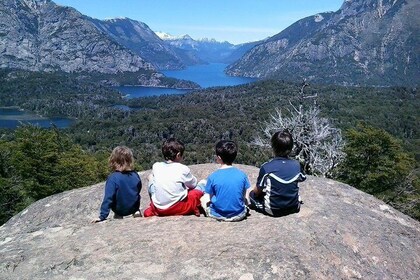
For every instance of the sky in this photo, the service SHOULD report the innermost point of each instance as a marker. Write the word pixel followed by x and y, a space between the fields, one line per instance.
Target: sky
pixel 235 21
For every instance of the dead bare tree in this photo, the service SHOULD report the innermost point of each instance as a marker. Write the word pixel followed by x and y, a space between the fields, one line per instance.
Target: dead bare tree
pixel 318 145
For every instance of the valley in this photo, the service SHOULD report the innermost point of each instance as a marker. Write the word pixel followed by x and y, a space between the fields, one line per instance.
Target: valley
pixel 207 75
pixel 116 82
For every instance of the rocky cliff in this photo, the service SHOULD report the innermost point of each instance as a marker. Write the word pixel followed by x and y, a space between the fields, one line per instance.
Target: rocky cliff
pixel 366 42
pixel 340 233
pixel 39 35
pixel 140 39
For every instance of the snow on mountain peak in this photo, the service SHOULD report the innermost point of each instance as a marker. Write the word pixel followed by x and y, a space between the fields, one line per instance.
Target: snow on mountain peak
pixel 318 18
pixel 186 37
pixel 167 36
pixel 115 19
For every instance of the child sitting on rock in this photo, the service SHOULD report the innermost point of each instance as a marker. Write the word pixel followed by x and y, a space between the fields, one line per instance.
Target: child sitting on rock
pixel 276 192
pixel 224 197
pixel 172 187
pixel 122 188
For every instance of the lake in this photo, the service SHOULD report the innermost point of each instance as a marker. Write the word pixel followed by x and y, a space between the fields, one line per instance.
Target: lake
pixel 141 91
pixel 206 75
pixel 13 117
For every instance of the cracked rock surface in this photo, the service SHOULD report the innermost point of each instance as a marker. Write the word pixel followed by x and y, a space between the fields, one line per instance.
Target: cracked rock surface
pixel 340 233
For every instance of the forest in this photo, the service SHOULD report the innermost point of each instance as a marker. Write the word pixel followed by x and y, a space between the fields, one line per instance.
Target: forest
pixel 379 122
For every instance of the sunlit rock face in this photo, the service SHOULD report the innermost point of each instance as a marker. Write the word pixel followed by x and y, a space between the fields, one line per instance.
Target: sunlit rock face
pixel 373 42
pixel 139 38
pixel 42 36
pixel 340 233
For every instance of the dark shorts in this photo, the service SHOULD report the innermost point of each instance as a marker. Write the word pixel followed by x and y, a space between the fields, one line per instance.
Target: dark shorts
pixel 257 204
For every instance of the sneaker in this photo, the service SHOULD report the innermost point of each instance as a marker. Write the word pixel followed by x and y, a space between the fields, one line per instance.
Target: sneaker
pixel 137 214
pixel 300 200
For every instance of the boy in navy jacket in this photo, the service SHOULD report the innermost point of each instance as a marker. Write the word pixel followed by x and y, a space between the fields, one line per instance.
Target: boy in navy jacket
pixel 276 192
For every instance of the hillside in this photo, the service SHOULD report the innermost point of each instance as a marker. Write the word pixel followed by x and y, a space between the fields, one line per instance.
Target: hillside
pixel 39 35
pixel 140 39
pixel 365 42
pixel 340 233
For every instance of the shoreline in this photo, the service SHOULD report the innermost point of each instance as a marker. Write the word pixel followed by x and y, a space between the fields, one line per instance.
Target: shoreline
pixel 21 116
pixel 159 87
pixel 10 107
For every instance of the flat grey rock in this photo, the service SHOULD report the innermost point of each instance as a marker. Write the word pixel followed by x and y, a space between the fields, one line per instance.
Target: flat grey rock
pixel 340 233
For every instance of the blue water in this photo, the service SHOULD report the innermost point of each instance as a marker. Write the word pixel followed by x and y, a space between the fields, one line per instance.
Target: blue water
pixel 206 75
pixel 13 118
pixel 60 123
pixel 140 91
pixel 11 112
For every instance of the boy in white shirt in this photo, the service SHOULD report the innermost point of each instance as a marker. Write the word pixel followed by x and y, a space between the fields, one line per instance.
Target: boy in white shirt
pixel 172 187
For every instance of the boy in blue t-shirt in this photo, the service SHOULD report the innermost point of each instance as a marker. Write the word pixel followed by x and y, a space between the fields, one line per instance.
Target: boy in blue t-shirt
pixel 276 192
pixel 226 187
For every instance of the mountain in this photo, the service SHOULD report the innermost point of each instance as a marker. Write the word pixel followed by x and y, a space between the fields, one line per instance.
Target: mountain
pixel 366 42
pixel 239 51
pixel 208 50
pixel 140 39
pixel 39 35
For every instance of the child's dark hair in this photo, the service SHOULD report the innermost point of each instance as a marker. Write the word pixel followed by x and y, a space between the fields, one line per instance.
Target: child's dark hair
pixel 171 147
pixel 227 151
pixel 282 143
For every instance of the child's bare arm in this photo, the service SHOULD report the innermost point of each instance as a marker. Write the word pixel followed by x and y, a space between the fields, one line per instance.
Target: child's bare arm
pixel 257 191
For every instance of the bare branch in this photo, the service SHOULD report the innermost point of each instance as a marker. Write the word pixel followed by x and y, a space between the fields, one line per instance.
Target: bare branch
pixel 318 145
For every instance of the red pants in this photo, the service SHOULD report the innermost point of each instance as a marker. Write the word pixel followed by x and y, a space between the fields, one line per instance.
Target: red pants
pixel 188 206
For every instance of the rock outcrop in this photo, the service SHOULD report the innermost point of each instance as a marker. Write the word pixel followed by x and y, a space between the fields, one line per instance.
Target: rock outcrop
pixel 365 42
pixel 340 233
